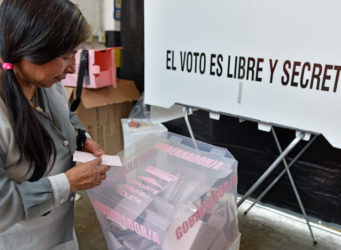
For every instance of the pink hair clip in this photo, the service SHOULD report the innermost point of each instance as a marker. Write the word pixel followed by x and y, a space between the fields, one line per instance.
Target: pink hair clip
pixel 7 66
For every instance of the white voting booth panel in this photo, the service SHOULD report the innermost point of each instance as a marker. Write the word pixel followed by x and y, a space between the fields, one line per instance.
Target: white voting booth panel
pixel 275 62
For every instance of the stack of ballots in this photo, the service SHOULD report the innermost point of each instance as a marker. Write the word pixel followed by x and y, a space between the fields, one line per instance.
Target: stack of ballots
pixel 169 194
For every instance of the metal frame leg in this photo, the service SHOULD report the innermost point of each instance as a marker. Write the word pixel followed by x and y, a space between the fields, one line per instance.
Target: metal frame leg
pixel 287 170
pixel 293 185
pixel 281 174
pixel 187 111
pixel 298 138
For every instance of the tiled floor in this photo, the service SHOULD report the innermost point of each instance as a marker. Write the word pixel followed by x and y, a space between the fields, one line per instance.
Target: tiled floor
pixel 264 228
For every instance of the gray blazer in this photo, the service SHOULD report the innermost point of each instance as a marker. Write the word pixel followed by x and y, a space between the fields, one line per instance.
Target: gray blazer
pixel 38 215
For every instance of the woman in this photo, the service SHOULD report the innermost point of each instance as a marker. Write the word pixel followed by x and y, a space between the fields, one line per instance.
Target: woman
pixel 38 41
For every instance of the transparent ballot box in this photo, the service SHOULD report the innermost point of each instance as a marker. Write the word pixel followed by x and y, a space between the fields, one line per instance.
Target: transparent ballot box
pixel 169 194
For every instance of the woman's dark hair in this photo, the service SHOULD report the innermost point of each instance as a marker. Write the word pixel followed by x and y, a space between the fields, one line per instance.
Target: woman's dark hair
pixel 39 31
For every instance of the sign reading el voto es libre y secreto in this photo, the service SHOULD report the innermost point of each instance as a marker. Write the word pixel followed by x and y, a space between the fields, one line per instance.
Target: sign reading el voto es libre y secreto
pixel 276 62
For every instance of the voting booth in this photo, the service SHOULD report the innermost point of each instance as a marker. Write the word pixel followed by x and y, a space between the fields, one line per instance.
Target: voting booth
pixel 274 63
pixel 169 195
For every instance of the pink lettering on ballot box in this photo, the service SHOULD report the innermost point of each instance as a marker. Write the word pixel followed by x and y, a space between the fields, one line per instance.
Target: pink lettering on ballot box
pixel 102 69
pixel 169 195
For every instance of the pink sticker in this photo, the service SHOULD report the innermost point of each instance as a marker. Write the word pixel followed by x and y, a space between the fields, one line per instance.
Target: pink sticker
pixel 161 174
pixel 150 180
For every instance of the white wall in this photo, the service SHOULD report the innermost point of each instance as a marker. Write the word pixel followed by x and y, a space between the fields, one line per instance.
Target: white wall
pixel 99 14
pixel 93 10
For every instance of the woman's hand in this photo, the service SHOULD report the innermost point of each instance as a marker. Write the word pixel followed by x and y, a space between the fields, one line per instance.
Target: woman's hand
pixel 86 175
pixel 93 147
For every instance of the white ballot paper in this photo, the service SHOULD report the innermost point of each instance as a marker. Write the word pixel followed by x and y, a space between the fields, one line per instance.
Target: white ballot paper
pixel 110 160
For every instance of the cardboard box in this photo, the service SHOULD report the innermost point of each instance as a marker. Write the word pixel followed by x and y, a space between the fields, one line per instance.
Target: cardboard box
pixel 169 195
pixel 101 110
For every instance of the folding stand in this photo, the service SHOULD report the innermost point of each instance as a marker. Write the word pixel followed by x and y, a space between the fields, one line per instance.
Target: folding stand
pixel 286 170
pixel 280 158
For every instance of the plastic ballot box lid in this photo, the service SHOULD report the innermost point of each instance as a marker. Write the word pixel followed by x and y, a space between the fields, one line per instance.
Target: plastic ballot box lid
pixel 135 129
pixel 169 194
